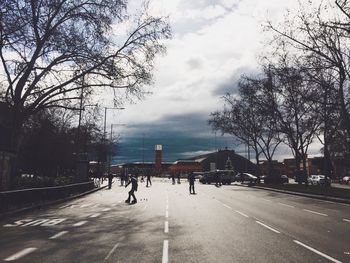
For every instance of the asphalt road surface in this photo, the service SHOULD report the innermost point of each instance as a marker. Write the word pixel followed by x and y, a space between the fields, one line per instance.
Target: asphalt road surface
pixel 219 224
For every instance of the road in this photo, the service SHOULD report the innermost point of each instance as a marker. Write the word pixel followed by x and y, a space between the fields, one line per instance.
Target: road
pixel 219 224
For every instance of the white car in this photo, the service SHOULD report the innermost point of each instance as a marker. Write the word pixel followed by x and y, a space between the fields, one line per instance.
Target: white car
pixel 319 180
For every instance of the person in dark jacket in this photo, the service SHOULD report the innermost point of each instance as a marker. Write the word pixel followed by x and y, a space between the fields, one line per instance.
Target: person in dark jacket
pixel 110 178
pixel 134 184
pixel 191 179
pixel 149 179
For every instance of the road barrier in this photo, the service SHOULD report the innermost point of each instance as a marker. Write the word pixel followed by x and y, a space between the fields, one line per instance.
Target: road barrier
pixel 27 197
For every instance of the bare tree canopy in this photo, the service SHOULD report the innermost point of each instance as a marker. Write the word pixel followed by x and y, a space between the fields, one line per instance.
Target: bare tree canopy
pixel 320 35
pixel 48 47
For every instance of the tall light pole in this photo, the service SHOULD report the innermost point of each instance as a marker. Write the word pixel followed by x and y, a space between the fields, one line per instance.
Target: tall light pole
pixel 104 123
pixel 111 139
pixel 81 109
pixel 104 127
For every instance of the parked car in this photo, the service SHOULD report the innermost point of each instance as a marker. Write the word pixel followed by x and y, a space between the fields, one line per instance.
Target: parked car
pixel 220 176
pixel 300 177
pixel 283 179
pixel 246 177
pixel 345 180
pixel 319 180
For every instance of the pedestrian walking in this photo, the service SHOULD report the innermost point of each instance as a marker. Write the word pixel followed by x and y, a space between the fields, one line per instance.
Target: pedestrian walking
pixel 134 184
pixel 178 179
pixel 122 179
pixel 110 178
pixel 191 179
pixel 149 179
pixel 173 178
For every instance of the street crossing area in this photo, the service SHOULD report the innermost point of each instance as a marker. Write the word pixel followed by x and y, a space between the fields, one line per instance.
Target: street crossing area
pixel 167 224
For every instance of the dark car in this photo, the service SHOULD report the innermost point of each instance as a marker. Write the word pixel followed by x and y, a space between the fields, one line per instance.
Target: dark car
pixel 247 178
pixel 220 176
pixel 283 179
pixel 345 180
pixel 300 177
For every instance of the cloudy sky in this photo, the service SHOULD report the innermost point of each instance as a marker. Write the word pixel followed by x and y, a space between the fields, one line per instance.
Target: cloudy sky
pixel 214 42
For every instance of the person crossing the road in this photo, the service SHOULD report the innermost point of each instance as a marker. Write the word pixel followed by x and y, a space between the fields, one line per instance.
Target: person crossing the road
pixel 191 179
pixel 134 184
pixel 148 179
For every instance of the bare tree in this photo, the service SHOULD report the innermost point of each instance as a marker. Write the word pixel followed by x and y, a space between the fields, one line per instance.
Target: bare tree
pixel 250 120
pixel 47 47
pixel 323 37
pixel 293 110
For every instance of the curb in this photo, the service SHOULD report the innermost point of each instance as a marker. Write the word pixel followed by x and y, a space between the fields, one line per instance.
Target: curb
pixel 39 206
pixel 320 197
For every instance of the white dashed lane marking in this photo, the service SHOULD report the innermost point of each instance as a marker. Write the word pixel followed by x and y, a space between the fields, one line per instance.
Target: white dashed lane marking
pixel 166 214
pixel 286 205
pixel 85 205
pixel 166 227
pixel 268 227
pixel 346 220
pixel 242 214
pixel 106 209
pixel 95 215
pixel 316 213
pixel 229 207
pixel 112 251
pixel 59 234
pixel 317 252
pixel 21 253
pixel 80 223
pixel 165 251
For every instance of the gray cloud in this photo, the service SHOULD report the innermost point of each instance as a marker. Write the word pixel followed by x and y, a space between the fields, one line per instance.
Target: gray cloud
pixel 194 63
pixel 230 85
pixel 178 125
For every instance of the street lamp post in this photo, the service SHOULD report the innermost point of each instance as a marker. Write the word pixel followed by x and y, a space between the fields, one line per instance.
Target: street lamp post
pixel 105 117
pixel 104 128
pixel 111 139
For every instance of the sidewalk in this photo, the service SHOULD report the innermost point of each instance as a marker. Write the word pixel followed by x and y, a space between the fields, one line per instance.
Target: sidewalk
pixel 49 203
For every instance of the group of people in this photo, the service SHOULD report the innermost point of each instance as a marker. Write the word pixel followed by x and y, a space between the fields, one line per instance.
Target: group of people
pixel 134 186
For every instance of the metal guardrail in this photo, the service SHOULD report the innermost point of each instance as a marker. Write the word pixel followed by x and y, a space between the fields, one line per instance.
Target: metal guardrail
pixel 34 196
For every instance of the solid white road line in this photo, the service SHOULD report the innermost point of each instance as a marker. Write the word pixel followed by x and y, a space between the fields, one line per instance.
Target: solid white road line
pixel 229 207
pixel 80 223
pixel 95 215
pixel 59 234
pixel 313 212
pixel 106 209
pixel 166 227
pixel 286 205
pixel 112 251
pixel 268 227
pixel 317 252
pixel 165 251
pixel 346 220
pixel 21 253
pixel 242 214
pixel 64 206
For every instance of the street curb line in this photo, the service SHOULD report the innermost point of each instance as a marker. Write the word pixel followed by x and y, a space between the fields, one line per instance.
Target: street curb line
pixel 38 206
pixel 320 197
